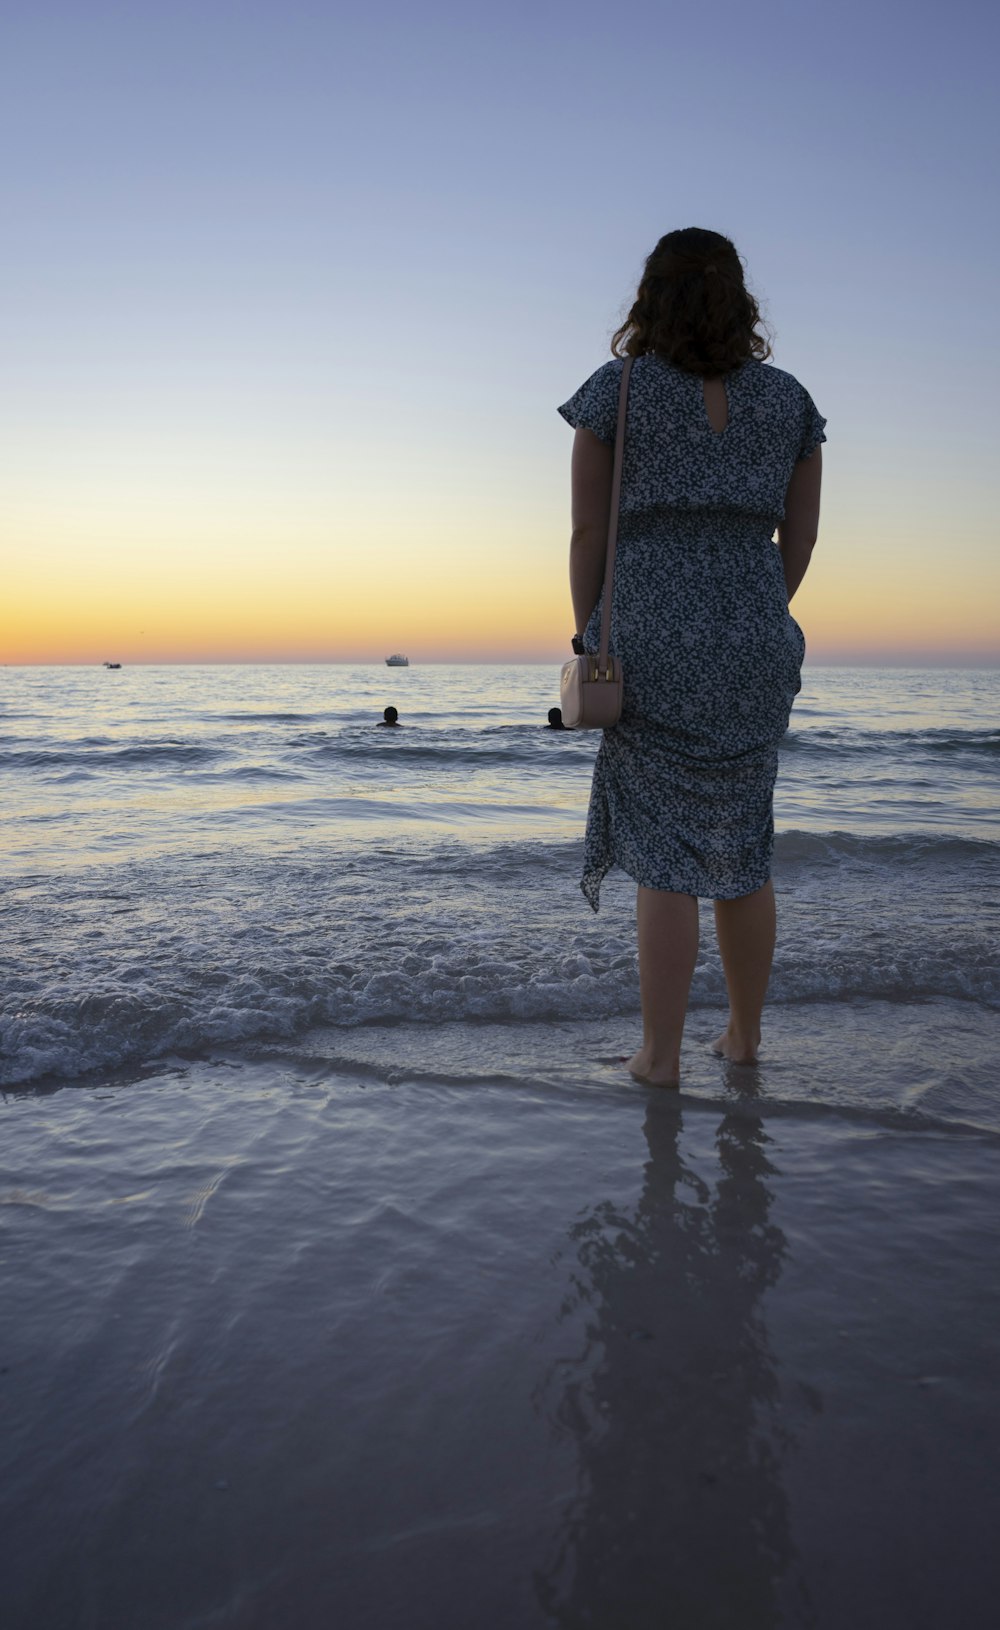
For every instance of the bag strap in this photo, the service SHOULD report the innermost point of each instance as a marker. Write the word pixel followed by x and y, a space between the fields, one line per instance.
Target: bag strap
pixel 616 493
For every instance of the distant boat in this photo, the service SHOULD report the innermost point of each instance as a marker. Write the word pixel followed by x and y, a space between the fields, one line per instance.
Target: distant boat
pixel 397 660
pixel 112 664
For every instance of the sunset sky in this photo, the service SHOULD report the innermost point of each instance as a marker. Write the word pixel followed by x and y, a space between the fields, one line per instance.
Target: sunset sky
pixel 291 291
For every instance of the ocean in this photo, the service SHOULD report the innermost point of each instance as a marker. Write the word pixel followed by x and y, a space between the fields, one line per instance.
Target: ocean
pixel 197 858
pixel 347 1278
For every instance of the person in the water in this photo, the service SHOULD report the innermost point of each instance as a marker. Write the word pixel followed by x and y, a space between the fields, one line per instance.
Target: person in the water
pixel 555 719
pixel 389 717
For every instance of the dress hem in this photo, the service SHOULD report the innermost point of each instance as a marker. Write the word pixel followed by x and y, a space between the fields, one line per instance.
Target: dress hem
pixel 590 885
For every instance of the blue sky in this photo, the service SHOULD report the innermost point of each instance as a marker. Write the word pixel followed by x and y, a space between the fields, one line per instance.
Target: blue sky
pixel 336 265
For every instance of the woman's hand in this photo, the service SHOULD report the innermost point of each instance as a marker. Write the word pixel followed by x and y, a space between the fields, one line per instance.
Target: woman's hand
pixel 592 470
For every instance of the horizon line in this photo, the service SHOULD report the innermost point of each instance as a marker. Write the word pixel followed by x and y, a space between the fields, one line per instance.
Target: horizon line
pixel 910 660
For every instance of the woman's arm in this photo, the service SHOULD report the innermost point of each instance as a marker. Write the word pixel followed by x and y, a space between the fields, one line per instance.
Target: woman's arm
pixel 592 469
pixel 798 531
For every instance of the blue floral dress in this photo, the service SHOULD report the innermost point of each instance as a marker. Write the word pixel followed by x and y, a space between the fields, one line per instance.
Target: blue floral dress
pixel 683 785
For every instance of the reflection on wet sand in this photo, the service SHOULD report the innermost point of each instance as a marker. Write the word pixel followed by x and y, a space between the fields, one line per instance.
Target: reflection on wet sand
pixel 681 1520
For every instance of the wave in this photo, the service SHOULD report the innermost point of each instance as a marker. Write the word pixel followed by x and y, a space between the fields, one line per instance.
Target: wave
pixel 446 755
pixel 848 743
pixel 511 741
pixel 264 718
pixel 410 748
pixel 425 746
pixel 113 1019
pixel 117 965
pixel 255 772
pixel 796 847
pixel 141 754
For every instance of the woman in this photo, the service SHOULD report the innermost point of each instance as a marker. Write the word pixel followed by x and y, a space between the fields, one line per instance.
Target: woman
pixel 720 452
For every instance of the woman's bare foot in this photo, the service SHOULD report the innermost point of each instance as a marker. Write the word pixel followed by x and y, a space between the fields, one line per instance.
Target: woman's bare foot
pixel 654 1072
pixel 737 1049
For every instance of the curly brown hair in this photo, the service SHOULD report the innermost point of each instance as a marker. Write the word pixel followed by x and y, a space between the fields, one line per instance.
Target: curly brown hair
pixel 693 307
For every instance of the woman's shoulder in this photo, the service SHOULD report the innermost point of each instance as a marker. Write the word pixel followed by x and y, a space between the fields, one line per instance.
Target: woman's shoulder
pixel 777 397
pixel 609 374
pixel 658 379
pixel 594 406
pixel 774 382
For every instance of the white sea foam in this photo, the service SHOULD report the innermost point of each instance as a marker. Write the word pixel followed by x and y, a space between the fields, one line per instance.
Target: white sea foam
pixel 186 955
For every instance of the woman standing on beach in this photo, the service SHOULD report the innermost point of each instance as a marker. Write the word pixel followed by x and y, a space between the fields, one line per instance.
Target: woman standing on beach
pixel 720 452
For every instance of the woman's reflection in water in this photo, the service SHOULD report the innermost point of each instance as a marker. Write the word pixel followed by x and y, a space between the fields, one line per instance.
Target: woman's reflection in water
pixel 682 1521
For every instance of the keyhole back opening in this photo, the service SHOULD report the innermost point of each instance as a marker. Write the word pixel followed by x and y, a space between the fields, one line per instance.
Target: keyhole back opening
pixel 716 403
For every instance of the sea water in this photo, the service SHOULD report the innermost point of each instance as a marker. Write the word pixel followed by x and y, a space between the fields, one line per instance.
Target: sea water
pixel 197 858
pixel 347 1276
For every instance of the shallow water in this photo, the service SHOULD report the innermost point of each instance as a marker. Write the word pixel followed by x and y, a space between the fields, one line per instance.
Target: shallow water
pixel 225 855
pixel 495 1338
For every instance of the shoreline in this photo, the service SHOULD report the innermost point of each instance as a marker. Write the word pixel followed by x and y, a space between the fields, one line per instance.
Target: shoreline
pixel 922 1065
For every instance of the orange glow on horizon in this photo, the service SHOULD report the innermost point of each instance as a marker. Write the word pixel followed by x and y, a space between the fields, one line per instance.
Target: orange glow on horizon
pixel 452 586
pixel 207 621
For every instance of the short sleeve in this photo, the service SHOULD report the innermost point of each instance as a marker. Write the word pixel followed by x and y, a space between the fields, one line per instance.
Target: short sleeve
pixel 813 424
pixel 595 405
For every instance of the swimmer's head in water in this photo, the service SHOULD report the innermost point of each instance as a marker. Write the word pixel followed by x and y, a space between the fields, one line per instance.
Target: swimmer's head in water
pixel 556 719
pixel 390 716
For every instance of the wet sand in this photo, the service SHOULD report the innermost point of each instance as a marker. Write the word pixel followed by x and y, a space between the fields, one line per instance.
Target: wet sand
pixel 403 1333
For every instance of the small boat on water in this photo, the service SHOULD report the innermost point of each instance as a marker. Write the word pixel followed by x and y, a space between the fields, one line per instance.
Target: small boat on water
pixel 397 660
pixel 112 664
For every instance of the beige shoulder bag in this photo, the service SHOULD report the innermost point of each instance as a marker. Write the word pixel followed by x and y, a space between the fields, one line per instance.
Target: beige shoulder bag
pixel 591 687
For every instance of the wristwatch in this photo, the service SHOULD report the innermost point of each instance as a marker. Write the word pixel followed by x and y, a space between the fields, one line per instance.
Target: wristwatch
pixel 578 645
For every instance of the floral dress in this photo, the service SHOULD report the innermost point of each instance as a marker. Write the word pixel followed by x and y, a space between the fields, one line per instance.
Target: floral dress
pixel 684 783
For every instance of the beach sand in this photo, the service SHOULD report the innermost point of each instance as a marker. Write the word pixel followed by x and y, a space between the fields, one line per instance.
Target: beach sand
pixel 457 1327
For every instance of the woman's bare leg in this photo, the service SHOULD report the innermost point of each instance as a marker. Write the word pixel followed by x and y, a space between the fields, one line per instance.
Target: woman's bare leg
pixel 746 941
pixel 668 945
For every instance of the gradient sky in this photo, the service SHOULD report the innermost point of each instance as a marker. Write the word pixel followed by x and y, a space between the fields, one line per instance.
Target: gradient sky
pixel 291 292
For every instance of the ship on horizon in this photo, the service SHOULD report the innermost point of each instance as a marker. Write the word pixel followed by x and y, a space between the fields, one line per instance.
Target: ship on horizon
pixel 397 660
